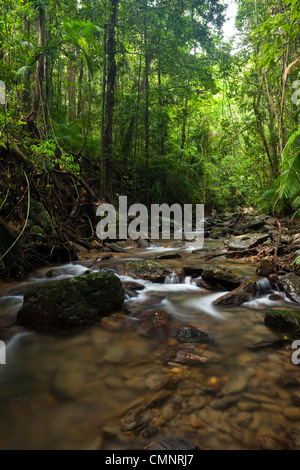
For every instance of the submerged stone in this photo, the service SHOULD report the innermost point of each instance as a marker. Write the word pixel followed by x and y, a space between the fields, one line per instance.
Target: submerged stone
pixel 71 303
pixel 193 335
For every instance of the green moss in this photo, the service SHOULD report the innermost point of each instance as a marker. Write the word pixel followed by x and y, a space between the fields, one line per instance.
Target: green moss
pixel 71 303
pixel 287 321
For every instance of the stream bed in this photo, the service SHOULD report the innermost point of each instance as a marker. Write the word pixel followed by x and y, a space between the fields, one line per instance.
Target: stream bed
pixel 116 388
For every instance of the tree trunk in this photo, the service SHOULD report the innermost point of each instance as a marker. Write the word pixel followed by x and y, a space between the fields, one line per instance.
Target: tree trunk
pixel 184 121
pixel 71 88
pixel 103 162
pixel 147 91
pixel 26 90
pixel 130 130
pixel 110 95
pixel 39 91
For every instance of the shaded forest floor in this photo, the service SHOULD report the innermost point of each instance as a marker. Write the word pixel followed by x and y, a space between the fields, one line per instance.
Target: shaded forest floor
pixel 49 217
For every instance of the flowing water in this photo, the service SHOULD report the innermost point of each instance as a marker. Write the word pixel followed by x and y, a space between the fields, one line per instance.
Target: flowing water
pixel 78 391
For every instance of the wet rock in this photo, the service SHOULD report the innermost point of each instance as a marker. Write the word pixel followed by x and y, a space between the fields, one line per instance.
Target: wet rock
pixel 142 243
pixel 105 257
pixel 156 381
pixel 52 273
pixel 221 277
pixel 173 444
pixel 255 223
pixel 116 353
pixel 71 303
pixel 243 293
pixel 156 325
pixel 291 285
pixel 225 402
pixel 114 247
pixel 247 406
pixel 275 297
pixel 245 242
pixel 266 343
pixel 258 398
pixel 239 382
pixel 296 398
pixel 265 268
pixel 286 321
pixel 137 418
pixel 217 233
pixel 169 256
pixel 183 356
pixel 115 321
pixel 69 382
pixel 193 335
pixel 148 269
pixel 242 420
pixel 192 270
pixel 292 413
pixel 196 423
pixel 186 357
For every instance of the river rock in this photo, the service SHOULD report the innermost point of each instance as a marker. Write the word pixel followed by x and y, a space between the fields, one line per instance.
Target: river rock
pixel 272 442
pixel 246 241
pixel 243 293
pixel 148 269
pixel 169 256
pixel 114 247
pixel 221 277
pixel 192 335
pixel 69 381
pixel 183 356
pixel 265 268
pixel 225 402
pixel 286 321
pixel 292 413
pixel 291 285
pixel 71 303
pixel 173 444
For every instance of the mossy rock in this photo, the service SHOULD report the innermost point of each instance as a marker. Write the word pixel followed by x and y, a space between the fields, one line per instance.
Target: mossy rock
pixel 71 303
pixel 41 218
pixel 221 277
pixel 286 321
pixel 148 269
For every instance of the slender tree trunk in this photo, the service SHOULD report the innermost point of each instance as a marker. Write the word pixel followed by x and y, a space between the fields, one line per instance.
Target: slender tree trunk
pixel 39 91
pixel 71 88
pixel 103 161
pixel 134 121
pixel 147 92
pixel 26 91
pixel 79 101
pixel 161 113
pixel 110 95
pixel 184 121
pixel 130 129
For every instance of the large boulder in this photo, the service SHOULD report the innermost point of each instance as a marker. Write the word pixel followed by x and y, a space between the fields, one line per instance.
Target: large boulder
pixel 71 303
pixel 290 283
pixel 243 293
